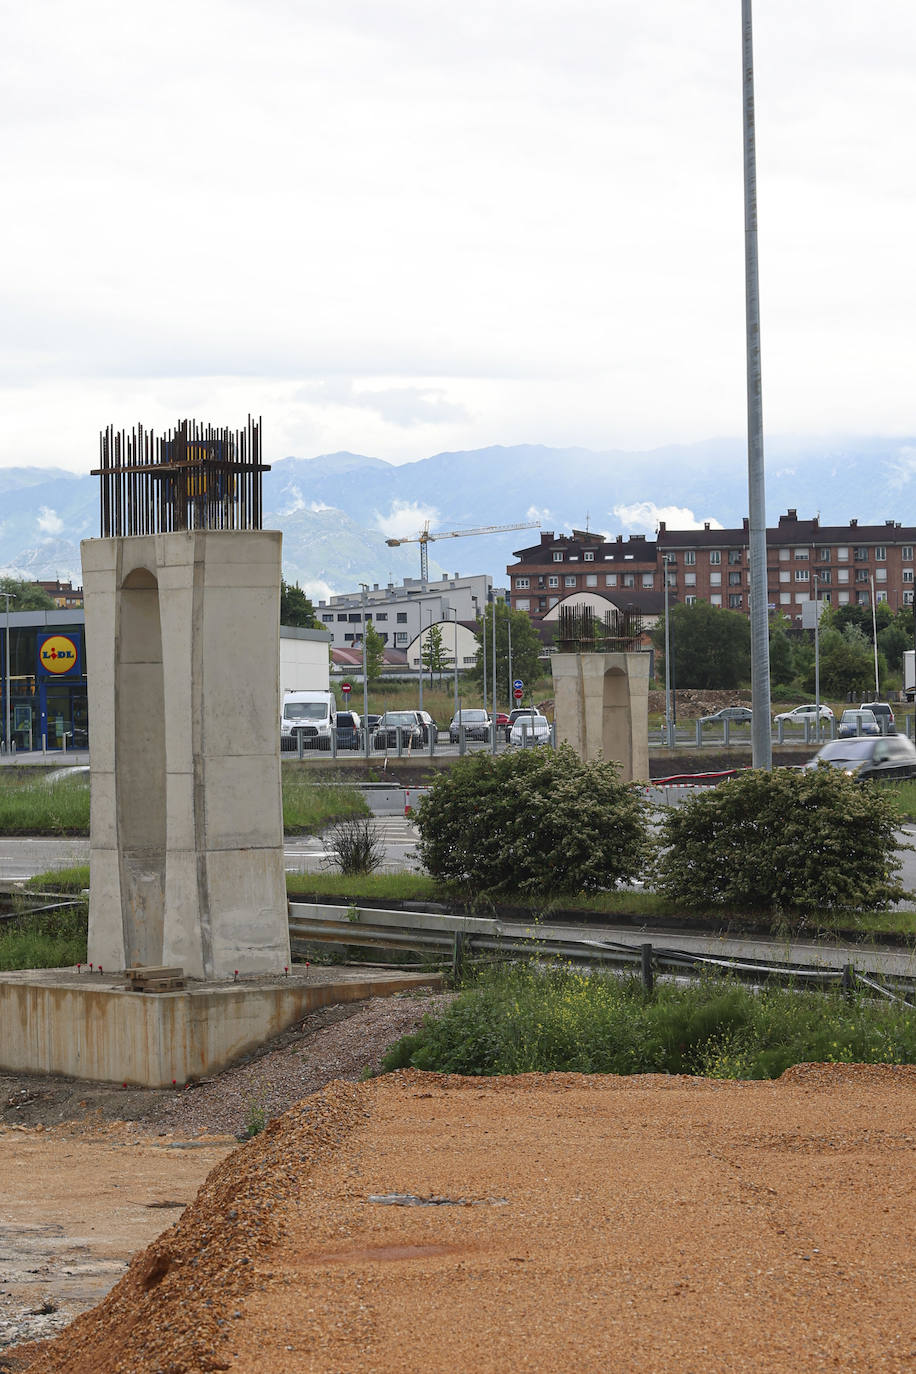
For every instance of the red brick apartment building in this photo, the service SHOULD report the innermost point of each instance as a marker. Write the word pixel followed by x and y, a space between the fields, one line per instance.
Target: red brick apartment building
pixel 836 563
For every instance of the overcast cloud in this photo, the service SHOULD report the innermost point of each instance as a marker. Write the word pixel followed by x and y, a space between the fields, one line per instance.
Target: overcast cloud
pixel 399 227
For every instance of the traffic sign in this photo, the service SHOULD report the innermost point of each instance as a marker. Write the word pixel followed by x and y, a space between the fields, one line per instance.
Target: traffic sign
pixel 517 694
pixel 518 684
pixel 345 688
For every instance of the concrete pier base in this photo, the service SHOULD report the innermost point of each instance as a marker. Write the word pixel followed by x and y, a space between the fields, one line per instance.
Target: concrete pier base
pixel 602 708
pixel 88 1026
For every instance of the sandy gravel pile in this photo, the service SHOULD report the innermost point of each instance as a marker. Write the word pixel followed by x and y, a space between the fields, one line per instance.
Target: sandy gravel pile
pixel 547 1222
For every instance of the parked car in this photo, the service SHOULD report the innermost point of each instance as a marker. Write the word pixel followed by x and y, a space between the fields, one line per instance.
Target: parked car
pixel 428 726
pixel 885 758
pixel 372 721
pixel 799 714
pixel 736 714
pixel 883 714
pixel 348 730
pixel 500 719
pixel 860 722
pixel 516 713
pixel 529 728
pixel 476 724
pixel 398 724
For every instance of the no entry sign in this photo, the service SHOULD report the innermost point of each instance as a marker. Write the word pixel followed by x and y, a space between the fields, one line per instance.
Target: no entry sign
pixel 345 688
pixel 517 693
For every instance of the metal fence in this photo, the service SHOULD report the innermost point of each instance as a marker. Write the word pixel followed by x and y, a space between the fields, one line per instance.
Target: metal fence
pixel 403 742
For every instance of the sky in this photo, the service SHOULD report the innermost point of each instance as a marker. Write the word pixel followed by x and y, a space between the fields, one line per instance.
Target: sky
pixel 399 227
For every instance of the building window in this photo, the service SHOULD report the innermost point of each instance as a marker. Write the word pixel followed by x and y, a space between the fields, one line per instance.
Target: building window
pixel 715 558
pixel 825 577
pixel 327 617
pixel 861 598
pixel 783 555
pixel 734 579
pixel 734 556
pixel 785 575
pixel 355 619
pixel 843 598
pixel 715 580
pixel 826 597
pixel 842 554
pixel 400 637
pixel 801 555
pixel 690 579
pixel 880 553
pixel 468 662
pixel 860 555
pixel 907 551
pixel 569 580
pixel 907 598
pixel 553 601
pixel 690 601
pixel 861 575
pixel 523 604
pixel 785 598
pixel 648 579
pixel 591 579
pixel 880 574
pixel 610 579
pixel 881 596
pixel 842 574
pixel 629 579
pixel 690 557
pixel 823 555
pixel 553 580
pixel 381 615
pixel 734 601
pixel 715 599
pixel 402 617
pixel 589 556
pixel 558 558
pixel 801 574
pixel 343 616
pixel 523 583
pixel 908 574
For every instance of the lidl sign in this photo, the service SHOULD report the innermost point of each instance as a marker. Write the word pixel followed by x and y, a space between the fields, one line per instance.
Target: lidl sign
pixel 58 654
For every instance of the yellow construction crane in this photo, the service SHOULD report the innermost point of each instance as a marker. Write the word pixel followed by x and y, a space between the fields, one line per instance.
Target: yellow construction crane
pixel 426 537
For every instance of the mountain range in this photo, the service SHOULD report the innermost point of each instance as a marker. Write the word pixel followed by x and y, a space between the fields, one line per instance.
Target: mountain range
pixel 336 510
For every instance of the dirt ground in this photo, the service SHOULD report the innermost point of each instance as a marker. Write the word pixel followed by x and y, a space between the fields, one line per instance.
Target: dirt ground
pixel 550 1222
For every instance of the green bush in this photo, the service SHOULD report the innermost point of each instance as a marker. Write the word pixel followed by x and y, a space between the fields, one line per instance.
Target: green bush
pixel 539 821
pixel 532 1019
pixel 783 842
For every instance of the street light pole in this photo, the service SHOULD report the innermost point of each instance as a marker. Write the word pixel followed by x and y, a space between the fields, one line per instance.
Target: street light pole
pixel 817 660
pixel 10 596
pixel 456 659
pixel 667 655
pixel 365 587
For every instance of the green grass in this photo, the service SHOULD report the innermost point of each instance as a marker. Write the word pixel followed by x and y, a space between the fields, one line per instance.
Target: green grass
pixel 309 806
pixel 528 1019
pixel 52 939
pixel 388 887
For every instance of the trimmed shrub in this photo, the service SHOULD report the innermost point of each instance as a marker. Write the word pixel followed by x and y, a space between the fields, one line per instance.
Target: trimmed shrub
pixel 539 821
pixel 783 842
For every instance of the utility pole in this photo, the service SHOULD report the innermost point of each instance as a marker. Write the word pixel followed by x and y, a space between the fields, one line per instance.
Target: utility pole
pixel 7 738
pixel 817 659
pixel 455 608
pixel 510 679
pixel 493 608
pixel 761 742
pixel 668 739
pixel 365 587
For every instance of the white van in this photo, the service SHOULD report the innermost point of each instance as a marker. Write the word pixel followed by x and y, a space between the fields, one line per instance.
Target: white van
pixel 311 714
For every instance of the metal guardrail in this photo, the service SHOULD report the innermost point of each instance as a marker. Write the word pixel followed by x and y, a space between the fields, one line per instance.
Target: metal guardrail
pixel 459 938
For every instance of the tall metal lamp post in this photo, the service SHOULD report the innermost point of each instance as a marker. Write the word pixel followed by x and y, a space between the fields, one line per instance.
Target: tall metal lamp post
pixel 7 739
pixel 668 740
pixel 456 659
pixel 365 587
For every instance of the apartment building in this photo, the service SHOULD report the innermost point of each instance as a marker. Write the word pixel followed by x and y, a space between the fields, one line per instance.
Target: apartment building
pixel 805 560
pixel 400 612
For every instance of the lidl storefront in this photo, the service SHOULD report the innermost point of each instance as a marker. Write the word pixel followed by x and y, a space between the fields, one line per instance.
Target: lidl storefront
pixel 47 674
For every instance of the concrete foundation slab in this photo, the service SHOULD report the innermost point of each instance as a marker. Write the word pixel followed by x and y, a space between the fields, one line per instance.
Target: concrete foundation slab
pixel 90 1026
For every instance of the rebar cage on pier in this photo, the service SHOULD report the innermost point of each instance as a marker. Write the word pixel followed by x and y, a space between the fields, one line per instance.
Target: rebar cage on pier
pixel 581 631
pixel 197 477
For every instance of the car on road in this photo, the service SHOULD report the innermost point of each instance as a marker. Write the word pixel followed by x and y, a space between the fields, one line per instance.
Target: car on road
pixel 738 715
pixel 799 714
pixel 476 724
pixel 500 719
pixel 516 713
pixel 395 726
pixel 886 758
pixel 529 728
pixel 883 714
pixel 857 722
pixel 347 726
pixel 428 726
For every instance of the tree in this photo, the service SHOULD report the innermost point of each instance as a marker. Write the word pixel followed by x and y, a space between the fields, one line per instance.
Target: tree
pixel 26 596
pixel 526 648
pixel 433 655
pixel 295 607
pixel 710 647
pixel 847 662
pixel 375 652
pixel 782 657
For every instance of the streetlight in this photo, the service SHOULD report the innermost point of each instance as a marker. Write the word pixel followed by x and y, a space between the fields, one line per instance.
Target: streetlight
pixel 483 640
pixel 817 660
pixel 10 596
pixel 365 587
pixel 456 660
pixel 665 560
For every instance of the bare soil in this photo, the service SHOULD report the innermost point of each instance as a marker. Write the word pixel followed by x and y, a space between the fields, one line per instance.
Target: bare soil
pixel 548 1222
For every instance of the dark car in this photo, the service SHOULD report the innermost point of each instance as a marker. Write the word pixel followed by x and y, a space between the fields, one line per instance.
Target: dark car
pixel 372 721
pixel 348 733
pixel 736 714
pixel 476 724
pixel 883 715
pixel 398 726
pixel 885 758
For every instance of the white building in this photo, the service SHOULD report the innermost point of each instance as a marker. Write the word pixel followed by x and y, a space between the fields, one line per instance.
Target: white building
pixel 400 613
